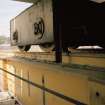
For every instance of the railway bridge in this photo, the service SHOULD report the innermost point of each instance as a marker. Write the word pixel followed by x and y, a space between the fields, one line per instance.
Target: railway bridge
pixel 54 78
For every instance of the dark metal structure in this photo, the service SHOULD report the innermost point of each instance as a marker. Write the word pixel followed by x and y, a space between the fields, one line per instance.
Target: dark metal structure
pixel 75 23
pixel 80 22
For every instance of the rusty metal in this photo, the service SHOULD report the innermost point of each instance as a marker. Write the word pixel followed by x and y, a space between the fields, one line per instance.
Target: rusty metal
pixel 85 58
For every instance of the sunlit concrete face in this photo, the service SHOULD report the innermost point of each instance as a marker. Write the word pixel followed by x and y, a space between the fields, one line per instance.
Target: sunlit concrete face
pixel 29 1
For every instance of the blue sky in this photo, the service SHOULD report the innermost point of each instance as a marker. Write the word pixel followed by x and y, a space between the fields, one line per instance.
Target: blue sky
pixel 8 10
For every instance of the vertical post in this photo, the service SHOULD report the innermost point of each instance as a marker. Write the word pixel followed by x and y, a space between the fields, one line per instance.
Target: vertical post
pixel 28 83
pixel 44 98
pixel 57 31
pixel 5 80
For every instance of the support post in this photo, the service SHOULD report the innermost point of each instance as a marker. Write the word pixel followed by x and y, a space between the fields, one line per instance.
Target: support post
pixel 57 32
